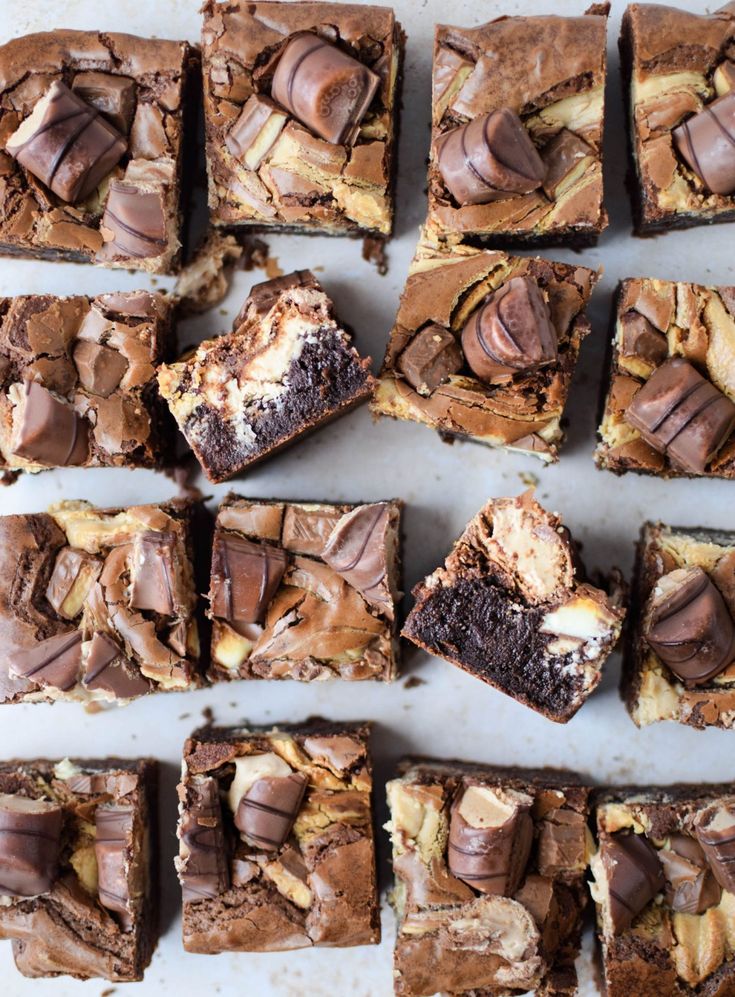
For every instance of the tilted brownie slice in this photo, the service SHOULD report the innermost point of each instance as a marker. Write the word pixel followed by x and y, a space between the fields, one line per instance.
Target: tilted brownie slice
pixel 276 844
pixel 79 867
pixel 669 405
pixel 92 128
pixel 664 889
pixel 485 345
pixel 97 604
pixel 287 368
pixel 489 868
pixel 511 606
pixel 305 590
pixel 78 381
pixel 679 76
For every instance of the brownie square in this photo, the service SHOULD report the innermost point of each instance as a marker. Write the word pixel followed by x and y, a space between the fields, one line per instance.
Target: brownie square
pixel 532 173
pixel 141 89
pixel 306 591
pixel 489 870
pixel 288 367
pixel 276 846
pixel 668 406
pixel 676 65
pixel 431 373
pixel 78 381
pixel 97 605
pixel 512 606
pixel 79 867
pixel 301 108
pixel 664 890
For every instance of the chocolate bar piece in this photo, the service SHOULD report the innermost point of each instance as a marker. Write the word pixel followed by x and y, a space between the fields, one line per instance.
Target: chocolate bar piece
pixel 678 74
pixel 305 590
pixel 484 347
pixel 104 609
pixel 664 890
pixel 668 407
pixel 287 368
pixel 276 847
pixel 79 867
pixel 92 128
pixel 489 868
pixel 77 381
pixel 679 661
pixel 301 108
pixel 511 605
pixel 516 151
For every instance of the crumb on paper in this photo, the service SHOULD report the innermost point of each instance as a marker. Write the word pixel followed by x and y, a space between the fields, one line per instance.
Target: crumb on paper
pixel 8 478
pixel 529 480
pixel 183 475
pixel 413 681
pixel 272 268
pixel 208 715
pixel 205 280
pixel 373 250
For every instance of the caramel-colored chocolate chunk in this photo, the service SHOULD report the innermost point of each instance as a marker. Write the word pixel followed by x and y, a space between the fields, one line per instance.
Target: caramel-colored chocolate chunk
pixel 715 830
pixel 107 668
pixel 112 848
pixel 561 157
pixel 134 222
pixel 268 809
pixel 55 661
pixel 112 96
pixel 245 577
pixel 707 143
pixel 99 367
pixel 691 886
pixel 47 430
pixel 203 865
pixel 255 131
pixel 641 339
pixel 30 844
pixel 73 575
pixel 634 876
pixel 431 357
pixel 153 573
pixel 357 551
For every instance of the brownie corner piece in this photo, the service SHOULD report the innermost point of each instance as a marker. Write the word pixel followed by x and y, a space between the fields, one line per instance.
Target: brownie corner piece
pixel 664 890
pixel 679 660
pixel 511 606
pixel 287 368
pixel 79 866
pixel 276 842
pixel 489 867
pixel 301 115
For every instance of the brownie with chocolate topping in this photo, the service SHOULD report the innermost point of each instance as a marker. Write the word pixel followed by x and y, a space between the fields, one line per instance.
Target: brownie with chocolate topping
pixel 668 407
pixel 79 867
pixel 288 367
pixel 276 843
pixel 485 345
pixel 92 139
pixel 512 606
pixel 301 108
pixel 307 591
pixel 517 115
pixel 78 381
pixel 489 868
pixel 679 78
pixel 664 890
pixel 97 605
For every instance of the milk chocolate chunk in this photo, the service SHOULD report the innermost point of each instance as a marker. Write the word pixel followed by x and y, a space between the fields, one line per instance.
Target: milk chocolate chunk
pixel 73 575
pixel 264 295
pixel 267 811
pixel 99 367
pixel 112 849
pixel 153 573
pixel 510 333
pixel 691 886
pixel 634 876
pixel 245 577
pixel 47 430
pixel 305 530
pixel 431 357
pixel 562 842
pixel 322 86
pixel 107 668
pixel 112 96
pixel 134 221
pixel 55 661
pixel 490 837
pixel 489 159
pixel 642 339
pixel 203 867
pixel 356 551
pixel 561 157
pixel 707 143
pixel 30 833
pixel 690 627
pixel 682 414
pixel 715 830
pixel 255 131
pixel 67 144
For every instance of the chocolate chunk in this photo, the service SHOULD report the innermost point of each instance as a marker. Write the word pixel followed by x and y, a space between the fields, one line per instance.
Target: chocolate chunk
pixel 134 222
pixel 356 550
pixel 489 159
pixel 245 577
pixel 30 842
pixel 113 96
pixel 431 357
pixel 690 626
pixel 66 144
pixel 681 414
pixel 338 751
pixel 47 430
pixel 203 865
pixel 263 296
pixel 153 573
pixel 267 811
pixel 112 849
pixel 100 368
pixel 641 339
pixel 707 143
pixel 55 661
pixel 306 530
pixel 322 86
pixel 634 876
pixel 510 333
pixel 74 573
pixel 562 843
pixel 255 131
pixel 490 837
pixel 715 830
pixel 691 887
pixel 106 667
pixel 561 157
